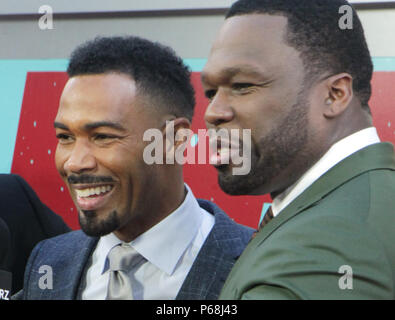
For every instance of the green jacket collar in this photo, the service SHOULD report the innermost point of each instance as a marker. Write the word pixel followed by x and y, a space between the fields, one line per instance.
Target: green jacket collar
pixel 373 157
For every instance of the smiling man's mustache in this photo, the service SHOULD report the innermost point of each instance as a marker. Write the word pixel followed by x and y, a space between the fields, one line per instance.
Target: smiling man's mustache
pixel 85 178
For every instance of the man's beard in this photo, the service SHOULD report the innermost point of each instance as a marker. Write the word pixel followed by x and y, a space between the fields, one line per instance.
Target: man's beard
pixel 92 226
pixel 272 154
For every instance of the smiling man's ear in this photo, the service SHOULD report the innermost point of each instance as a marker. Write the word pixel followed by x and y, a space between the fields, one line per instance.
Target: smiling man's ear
pixel 339 94
pixel 175 133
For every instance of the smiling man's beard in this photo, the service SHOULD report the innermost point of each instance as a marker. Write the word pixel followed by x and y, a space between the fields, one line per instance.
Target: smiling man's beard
pixel 272 154
pixel 92 226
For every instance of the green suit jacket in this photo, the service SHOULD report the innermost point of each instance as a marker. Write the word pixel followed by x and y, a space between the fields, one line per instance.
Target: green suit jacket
pixel 335 241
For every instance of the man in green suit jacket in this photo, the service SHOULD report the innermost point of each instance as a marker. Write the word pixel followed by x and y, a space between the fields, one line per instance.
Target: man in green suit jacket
pixel 298 75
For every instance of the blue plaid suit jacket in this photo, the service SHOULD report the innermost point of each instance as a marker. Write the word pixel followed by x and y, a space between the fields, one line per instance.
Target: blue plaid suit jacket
pixel 69 254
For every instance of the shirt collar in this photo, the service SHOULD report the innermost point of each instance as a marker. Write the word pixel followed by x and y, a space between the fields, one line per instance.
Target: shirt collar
pixel 164 244
pixel 336 153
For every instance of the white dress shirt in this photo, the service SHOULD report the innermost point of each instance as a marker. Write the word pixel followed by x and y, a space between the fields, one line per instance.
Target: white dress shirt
pixel 336 153
pixel 169 249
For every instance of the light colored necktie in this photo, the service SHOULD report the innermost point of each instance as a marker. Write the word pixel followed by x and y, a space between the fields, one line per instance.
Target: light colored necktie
pixel 121 259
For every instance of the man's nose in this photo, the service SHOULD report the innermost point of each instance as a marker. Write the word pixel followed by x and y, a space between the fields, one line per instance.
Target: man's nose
pixel 219 110
pixel 81 159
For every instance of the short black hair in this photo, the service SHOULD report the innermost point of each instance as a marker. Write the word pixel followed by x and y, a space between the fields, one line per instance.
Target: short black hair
pixel 159 73
pixel 313 30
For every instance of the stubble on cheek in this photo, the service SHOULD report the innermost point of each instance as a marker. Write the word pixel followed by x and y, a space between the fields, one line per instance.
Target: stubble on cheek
pixel 272 154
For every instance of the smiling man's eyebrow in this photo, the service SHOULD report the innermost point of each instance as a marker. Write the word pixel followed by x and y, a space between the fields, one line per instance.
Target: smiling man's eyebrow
pixel 93 125
pixel 60 125
pixel 99 124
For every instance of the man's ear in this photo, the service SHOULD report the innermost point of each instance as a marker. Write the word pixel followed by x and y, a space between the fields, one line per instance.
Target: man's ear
pixel 339 94
pixel 175 132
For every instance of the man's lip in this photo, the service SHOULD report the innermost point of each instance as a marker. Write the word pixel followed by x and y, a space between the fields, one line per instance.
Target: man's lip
pixel 94 202
pixel 223 156
pixel 87 186
pixel 219 144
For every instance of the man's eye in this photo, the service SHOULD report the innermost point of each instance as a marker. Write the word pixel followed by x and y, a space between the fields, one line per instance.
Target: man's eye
pixel 104 137
pixel 241 86
pixel 210 93
pixel 64 138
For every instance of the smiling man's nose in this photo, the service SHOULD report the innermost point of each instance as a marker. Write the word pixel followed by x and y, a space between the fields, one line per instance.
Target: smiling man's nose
pixel 81 159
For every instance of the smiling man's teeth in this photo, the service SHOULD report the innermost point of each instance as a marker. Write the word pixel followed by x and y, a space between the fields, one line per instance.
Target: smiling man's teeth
pixel 84 193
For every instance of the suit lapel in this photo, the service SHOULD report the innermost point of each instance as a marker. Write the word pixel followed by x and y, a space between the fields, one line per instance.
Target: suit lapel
pixel 373 157
pixel 204 281
pixel 217 256
pixel 70 286
pixel 86 256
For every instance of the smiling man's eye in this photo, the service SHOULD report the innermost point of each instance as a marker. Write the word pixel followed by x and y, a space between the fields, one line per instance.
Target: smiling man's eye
pixel 63 138
pixel 102 136
pixel 105 138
